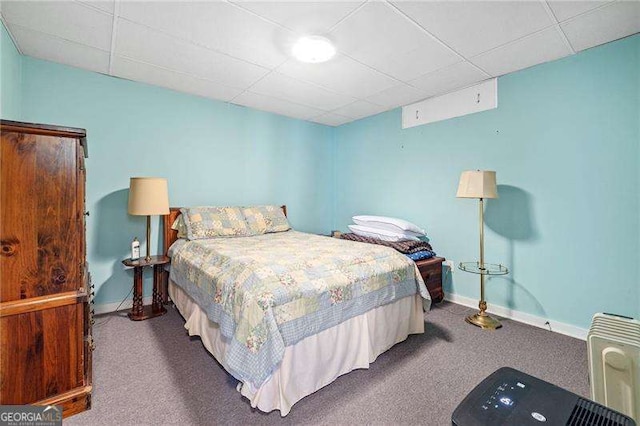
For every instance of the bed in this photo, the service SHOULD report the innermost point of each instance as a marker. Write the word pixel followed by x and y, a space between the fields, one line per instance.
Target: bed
pixel 289 312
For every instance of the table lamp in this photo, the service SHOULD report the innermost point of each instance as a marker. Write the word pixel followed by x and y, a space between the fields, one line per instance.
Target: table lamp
pixel 148 196
pixel 480 184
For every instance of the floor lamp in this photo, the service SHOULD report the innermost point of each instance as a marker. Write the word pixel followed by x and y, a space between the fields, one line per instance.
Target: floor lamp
pixel 480 184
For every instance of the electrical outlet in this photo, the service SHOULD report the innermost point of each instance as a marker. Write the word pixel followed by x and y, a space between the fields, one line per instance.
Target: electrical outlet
pixel 451 265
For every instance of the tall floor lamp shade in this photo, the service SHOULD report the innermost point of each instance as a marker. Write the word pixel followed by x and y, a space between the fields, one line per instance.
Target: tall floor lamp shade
pixel 148 196
pixel 480 184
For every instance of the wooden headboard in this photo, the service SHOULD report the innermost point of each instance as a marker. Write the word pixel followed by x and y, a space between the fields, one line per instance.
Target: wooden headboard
pixel 171 235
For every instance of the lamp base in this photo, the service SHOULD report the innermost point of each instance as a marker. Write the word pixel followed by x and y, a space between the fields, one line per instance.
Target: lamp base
pixel 484 321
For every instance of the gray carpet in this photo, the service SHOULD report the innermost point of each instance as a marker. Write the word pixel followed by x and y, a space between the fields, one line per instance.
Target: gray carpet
pixel 153 372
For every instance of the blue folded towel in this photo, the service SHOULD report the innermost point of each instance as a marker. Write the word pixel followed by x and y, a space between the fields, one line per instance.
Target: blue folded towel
pixel 420 255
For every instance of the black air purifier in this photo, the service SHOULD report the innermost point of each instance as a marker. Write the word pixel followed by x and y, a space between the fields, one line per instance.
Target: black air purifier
pixel 510 397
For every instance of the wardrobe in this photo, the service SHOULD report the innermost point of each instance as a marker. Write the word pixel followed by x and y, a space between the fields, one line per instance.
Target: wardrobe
pixel 45 292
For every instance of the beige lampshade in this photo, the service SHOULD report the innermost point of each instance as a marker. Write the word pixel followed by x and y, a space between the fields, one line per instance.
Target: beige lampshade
pixel 477 184
pixel 148 196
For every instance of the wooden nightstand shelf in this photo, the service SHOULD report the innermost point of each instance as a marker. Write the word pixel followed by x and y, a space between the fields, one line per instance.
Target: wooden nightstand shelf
pixel 138 311
pixel 431 271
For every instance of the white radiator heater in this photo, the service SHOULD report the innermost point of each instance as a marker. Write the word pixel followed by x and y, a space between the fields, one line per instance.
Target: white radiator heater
pixel 613 345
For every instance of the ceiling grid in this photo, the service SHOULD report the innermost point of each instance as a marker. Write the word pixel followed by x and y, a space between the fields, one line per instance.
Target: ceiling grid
pixel 389 53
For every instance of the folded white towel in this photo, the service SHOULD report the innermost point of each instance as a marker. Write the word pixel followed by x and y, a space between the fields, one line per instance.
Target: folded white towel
pixel 383 234
pixel 389 224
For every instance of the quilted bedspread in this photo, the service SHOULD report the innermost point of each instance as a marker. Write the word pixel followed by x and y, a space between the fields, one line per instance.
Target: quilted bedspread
pixel 270 291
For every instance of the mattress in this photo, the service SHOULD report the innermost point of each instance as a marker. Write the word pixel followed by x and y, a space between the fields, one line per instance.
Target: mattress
pixel 316 360
pixel 269 292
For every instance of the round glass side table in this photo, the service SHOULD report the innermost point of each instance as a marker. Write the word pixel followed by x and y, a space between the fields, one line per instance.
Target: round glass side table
pixel 481 318
pixel 486 269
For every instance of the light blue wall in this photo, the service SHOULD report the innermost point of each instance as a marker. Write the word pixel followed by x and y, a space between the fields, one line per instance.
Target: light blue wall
pixel 212 153
pixel 565 144
pixel 10 77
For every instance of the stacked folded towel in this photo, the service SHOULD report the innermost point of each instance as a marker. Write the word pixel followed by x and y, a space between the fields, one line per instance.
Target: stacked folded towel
pixel 399 234
pixel 386 228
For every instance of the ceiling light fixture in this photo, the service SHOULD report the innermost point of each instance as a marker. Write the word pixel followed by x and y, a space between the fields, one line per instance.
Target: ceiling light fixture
pixel 313 49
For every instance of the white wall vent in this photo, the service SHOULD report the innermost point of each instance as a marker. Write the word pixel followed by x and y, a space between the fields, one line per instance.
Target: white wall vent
pixel 480 97
pixel 613 345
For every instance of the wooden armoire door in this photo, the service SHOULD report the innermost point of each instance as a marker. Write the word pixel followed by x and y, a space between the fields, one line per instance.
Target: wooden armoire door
pixel 45 323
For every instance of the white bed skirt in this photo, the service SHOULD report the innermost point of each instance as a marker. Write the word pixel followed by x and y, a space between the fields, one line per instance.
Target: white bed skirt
pixel 317 360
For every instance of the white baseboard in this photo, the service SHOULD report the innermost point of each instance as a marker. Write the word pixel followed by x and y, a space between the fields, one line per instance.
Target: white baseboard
pixel 501 311
pixel 105 308
pixel 536 321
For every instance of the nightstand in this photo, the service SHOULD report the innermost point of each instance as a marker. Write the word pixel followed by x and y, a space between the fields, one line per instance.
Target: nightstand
pixel 138 311
pixel 431 271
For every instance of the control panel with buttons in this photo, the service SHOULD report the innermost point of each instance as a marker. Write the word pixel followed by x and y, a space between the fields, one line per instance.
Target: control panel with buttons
pixel 503 396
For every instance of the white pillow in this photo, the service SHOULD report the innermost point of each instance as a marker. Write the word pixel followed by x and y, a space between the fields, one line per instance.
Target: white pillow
pixel 382 234
pixel 389 224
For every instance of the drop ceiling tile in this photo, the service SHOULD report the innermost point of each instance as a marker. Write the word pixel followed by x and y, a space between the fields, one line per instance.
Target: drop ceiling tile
pixel 376 30
pixel 360 109
pixel 447 79
pixel 408 65
pixel 105 5
pixel 564 10
pixel 277 106
pixel 303 17
pixel 402 94
pixel 473 27
pixel 283 87
pixel 331 119
pixel 384 39
pixel 145 73
pixel 538 48
pixel 50 48
pixel 217 25
pixel 68 20
pixel 608 23
pixel 341 74
pixel 146 45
